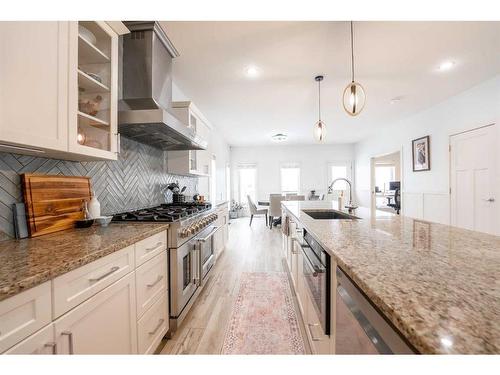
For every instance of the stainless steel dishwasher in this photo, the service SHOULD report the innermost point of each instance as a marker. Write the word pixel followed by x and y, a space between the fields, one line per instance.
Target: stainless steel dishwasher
pixel 359 327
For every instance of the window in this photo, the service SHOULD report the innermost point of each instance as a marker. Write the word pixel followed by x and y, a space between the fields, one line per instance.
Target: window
pixel 228 182
pixel 383 175
pixel 247 178
pixel 290 180
pixel 213 180
pixel 340 169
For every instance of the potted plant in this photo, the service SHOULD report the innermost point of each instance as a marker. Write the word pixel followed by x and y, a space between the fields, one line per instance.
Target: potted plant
pixel 236 210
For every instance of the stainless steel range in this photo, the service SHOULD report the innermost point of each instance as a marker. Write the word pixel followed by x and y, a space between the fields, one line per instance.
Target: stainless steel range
pixel 191 249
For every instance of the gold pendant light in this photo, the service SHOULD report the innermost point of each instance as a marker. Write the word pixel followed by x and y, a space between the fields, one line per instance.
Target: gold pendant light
pixel 354 94
pixel 319 127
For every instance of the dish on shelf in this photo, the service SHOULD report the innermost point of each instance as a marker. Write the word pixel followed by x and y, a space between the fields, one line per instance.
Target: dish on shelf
pixel 90 106
pixel 97 77
pixel 87 35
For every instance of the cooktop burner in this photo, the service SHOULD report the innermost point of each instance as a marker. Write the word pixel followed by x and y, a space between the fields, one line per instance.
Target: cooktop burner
pixel 167 212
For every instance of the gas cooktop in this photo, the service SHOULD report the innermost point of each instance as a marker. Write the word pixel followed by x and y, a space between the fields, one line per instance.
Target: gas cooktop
pixel 167 212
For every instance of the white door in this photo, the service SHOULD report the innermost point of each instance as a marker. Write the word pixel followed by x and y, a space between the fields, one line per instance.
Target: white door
pixel 474 180
pixel 104 324
pixel 34 84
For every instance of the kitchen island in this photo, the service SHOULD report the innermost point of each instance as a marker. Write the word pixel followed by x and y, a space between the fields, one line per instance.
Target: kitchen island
pixel 437 285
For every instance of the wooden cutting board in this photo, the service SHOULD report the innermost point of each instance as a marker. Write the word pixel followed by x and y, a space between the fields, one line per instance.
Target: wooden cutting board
pixel 53 203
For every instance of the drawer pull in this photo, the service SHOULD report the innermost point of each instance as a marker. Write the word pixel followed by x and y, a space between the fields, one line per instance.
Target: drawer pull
pixel 52 345
pixel 70 340
pixel 111 271
pixel 160 322
pixel 309 325
pixel 149 249
pixel 160 278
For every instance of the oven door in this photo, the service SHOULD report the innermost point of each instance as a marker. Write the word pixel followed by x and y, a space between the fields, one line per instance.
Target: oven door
pixel 317 279
pixel 206 247
pixel 184 271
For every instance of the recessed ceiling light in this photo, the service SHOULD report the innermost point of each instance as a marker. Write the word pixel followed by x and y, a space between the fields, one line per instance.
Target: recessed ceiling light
pixel 280 137
pixel 446 65
pixel 252 71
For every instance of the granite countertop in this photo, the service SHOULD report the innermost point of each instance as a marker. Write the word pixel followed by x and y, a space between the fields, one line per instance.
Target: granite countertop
pixel 439 285
pixel 29 262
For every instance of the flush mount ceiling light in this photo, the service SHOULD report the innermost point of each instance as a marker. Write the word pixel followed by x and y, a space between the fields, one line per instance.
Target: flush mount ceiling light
pixel 280 137
pixel 252 71
pixel 319 127
pixel 446 65
pixel 354 94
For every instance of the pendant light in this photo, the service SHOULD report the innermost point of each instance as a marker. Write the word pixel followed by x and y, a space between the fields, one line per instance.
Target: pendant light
pixel 319 127
pixel 354 94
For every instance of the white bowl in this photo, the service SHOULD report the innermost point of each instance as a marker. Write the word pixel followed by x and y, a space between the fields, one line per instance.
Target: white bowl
pixel 87 34
pixel 103 221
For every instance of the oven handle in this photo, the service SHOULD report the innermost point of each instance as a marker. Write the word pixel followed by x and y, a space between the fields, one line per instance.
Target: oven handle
pixel 195 253
pixel 314 267
pixel 208 236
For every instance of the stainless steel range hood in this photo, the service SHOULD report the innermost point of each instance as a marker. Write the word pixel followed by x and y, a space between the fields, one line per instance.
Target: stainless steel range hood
pixel 147 91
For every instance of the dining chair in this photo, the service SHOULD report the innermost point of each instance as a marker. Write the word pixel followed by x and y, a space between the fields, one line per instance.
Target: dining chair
pixel 255 211
pixel 274 207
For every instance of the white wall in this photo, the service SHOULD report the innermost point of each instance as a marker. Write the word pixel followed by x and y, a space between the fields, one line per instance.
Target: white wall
pixel 313 160
pixel 218 147
pixel 426 194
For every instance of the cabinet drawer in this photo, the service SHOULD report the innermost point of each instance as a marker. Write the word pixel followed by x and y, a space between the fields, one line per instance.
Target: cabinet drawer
pixel 78 285
pixel 41 342
pixel 151 282
pixel 152 326
pixel 320 343
pixel 149 247
pixel 24 314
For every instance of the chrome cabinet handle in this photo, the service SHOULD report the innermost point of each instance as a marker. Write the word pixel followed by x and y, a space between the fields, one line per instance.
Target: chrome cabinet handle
pixel 70 340
pixel 52 345
pixel 489 200
pixel 160 322
pixel 309 325
pixel 111 271
pixel 160 278
pixel 149 249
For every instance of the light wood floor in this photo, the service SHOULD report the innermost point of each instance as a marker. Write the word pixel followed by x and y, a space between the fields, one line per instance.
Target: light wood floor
pixel 249 249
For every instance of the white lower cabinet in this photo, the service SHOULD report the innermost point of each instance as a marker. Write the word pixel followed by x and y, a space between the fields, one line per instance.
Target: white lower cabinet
pixel 153 326
pixel 24 314
pixel 151 282
pixel 42 342
pixel 104 324
pixel 320 343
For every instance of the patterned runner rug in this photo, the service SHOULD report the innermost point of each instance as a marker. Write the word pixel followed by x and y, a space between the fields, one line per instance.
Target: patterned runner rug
pixel 263 318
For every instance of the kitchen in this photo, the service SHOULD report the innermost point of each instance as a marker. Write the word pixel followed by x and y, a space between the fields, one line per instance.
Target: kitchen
pixel 138 217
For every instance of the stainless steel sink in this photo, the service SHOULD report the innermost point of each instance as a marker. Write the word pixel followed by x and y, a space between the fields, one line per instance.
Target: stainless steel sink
pixel 329 215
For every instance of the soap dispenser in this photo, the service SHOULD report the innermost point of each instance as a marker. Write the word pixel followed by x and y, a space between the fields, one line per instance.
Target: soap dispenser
pixel 94 207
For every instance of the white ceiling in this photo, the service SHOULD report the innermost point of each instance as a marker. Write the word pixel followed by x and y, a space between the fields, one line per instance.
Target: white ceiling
pixel 392 59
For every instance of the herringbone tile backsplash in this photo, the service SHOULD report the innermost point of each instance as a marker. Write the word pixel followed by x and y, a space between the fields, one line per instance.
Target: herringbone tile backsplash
pixel 133 181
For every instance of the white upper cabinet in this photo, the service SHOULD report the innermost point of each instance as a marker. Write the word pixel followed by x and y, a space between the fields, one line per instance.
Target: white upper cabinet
pixel 193 162
pixel 34 85
pixel 59 89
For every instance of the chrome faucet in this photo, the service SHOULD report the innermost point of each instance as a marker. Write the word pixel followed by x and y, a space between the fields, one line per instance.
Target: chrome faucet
pixel 349 206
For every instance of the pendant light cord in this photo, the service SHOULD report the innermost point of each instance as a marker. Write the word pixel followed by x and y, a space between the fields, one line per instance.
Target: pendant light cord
pixel 352 53
pixel 319 100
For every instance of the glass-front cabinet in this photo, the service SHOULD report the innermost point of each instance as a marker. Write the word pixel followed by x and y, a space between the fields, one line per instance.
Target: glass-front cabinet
pixel 59 97
pixel 93 90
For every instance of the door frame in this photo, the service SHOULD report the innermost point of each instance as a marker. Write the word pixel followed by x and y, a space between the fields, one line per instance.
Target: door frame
pixel 373 202
pixel 450 162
